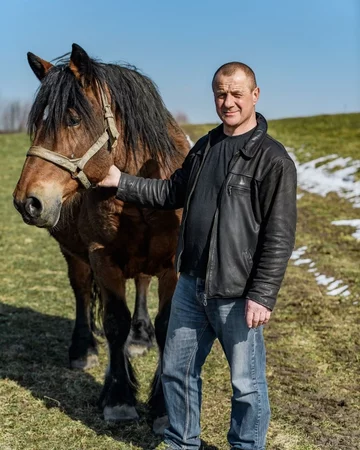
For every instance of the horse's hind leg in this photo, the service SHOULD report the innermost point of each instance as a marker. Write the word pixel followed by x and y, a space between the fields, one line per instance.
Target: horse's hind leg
pixel 118 397
pixel 142 333
pixel 83 349
pixel 167 284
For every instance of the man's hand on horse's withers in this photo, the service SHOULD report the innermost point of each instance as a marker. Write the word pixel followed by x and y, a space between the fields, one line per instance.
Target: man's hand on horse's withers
pixel 256 314
pixel 112 178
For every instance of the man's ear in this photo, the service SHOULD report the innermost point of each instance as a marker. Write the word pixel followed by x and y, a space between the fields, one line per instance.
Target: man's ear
pixel 256 95
pixel 39 66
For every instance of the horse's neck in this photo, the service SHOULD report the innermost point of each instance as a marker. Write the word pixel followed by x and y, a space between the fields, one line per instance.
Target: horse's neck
pixel 147 167
pixel 142 166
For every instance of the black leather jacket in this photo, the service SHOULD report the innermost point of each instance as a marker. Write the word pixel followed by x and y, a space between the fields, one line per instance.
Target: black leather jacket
pixel 253 231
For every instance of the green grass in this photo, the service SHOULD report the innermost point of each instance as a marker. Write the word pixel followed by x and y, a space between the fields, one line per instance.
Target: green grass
pixel 312 137
pixel 313 342
pixel 320 135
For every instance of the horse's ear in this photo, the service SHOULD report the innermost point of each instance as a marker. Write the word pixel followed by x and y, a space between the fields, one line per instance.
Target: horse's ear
pixel 39 66
pixel 80 64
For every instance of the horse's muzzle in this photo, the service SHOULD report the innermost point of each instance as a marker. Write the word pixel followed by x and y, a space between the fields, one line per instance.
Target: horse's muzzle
pixel 33 212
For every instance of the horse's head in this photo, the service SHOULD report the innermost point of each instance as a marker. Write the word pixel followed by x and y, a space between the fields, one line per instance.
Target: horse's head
pixel 73 134
pixel 75 138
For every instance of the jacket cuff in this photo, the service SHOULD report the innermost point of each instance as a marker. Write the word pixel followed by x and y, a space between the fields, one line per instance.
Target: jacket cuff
pixel 121 192
pixel 264 301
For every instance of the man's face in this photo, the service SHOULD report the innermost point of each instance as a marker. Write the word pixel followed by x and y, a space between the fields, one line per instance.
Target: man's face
pixel 235 101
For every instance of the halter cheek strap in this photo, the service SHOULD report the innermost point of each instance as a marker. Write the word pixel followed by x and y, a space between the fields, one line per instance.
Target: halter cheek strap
pixel 76 165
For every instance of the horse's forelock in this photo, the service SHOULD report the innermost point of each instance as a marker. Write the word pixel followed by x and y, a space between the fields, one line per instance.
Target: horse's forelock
pixel 59 92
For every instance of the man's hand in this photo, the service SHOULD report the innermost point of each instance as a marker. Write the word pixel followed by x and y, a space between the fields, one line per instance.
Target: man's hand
pixel 112 178
pixel 256 314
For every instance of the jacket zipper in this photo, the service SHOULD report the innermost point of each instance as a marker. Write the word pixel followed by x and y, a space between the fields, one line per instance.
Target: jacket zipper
pixel 188 202
pixel 225 186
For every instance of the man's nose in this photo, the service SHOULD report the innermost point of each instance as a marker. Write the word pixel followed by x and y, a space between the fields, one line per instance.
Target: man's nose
pixel 229 101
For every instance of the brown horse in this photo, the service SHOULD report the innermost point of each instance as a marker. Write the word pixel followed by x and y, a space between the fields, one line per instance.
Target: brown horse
pixel 116 113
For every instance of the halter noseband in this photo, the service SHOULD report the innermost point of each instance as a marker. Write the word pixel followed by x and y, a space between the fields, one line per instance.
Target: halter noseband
pixel 76 165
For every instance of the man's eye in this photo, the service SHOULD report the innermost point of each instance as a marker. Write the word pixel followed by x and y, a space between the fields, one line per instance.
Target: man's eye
pixel 73 121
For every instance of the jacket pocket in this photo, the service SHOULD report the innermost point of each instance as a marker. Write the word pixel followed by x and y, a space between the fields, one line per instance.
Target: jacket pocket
pixel 238 188
pixel 239 184
pixel 248 261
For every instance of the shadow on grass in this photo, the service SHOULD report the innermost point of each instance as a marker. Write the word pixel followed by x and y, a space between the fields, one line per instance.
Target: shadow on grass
pixel 34 354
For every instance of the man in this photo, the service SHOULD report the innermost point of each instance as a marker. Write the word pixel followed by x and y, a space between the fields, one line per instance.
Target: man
pixel 238 190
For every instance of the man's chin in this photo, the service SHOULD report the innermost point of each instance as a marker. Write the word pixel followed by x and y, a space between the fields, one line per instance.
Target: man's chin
pixel 231 119
pixel 231 123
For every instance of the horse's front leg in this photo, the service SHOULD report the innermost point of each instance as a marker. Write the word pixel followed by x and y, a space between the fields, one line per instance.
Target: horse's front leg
pixel 167 283
pixel 141 337
pixel 118 397
pixel 83 352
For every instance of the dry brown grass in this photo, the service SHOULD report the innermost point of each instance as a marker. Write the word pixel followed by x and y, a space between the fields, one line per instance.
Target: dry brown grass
pixel 313 343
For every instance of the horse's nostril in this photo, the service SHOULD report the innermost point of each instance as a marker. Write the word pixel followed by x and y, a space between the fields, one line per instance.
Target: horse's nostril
pixel 33 206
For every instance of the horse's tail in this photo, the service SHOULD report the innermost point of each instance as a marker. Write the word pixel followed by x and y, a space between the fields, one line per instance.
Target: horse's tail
pixel 96 309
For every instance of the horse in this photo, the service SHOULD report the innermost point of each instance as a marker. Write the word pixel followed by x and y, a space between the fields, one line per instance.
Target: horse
pixel 87 116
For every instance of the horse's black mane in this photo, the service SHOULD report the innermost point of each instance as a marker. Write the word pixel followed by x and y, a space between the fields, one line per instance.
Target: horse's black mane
pixel 145 119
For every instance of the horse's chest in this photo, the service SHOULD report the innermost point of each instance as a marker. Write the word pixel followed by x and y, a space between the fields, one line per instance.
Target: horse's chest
pixel 111 225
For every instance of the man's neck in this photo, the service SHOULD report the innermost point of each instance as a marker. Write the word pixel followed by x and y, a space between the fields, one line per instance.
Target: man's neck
pixel 241 129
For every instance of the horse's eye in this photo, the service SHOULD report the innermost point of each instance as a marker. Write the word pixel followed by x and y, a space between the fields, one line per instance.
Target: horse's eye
pixel 72 121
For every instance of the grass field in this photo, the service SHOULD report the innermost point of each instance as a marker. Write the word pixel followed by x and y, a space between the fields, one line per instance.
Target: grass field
pixel 313 341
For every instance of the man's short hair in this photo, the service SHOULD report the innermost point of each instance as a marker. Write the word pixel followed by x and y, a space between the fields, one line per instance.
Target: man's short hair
pixel 230 68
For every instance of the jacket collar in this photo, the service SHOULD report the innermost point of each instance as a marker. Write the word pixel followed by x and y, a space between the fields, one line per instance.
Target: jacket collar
pixel 253 143
pixel 257 137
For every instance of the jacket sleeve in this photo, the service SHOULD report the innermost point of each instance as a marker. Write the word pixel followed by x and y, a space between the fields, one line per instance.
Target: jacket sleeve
pixel 154 193
pixel 277 235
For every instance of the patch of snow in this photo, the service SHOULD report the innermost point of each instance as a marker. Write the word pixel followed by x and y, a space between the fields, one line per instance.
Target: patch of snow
pixel 333 287
pixel 338 290
pixel 299 252
pixel 318 177
pixel 298 262
pixel 351 223
pixel 324 280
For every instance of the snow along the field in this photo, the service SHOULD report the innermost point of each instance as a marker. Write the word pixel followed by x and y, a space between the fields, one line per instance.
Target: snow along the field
pixel 333 287
pixel 330 173
pixel 350 223
pixel 321 176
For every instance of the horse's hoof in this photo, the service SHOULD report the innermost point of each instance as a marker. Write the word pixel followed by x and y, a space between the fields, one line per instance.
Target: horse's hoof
pixel 120 413
pixel 85 363
pixel 135 350
pixel 160 424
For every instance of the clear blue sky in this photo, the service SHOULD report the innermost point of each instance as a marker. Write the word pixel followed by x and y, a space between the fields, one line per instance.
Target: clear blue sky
pixel 305 53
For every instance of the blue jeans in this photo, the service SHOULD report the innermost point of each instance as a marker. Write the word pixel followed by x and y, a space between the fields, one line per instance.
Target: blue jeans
pixel 193 326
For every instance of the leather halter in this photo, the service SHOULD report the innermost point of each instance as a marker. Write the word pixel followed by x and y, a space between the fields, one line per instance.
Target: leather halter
pixel 76 165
